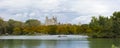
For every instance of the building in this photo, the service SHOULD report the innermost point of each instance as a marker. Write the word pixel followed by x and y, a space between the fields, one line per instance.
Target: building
pixel 52 21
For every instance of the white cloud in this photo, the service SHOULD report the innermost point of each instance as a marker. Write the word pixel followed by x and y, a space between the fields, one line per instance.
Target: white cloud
pixel 32 14
pixel 46 5
pixel 82 19
pixel 14 3
pixel 40 4
pixel 72 11
pixel 89 7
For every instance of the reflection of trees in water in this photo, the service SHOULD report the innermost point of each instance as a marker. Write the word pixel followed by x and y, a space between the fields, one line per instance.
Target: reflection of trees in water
pixel 19 43
pixel 103 43
pixel 2 45
pixel 32 43
pixel 38 44
pixel 65 44
pixel 116 42
pixel 10 44
pixel 50 44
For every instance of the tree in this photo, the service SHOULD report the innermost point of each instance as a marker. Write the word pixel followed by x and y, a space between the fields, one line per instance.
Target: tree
pixel 17 31
pixel 51 29
pixel 12 24
pixel 106 27
pixel 116 24
pixel 96 28
pixel 62 29
pixel 3 26
pixel 32 22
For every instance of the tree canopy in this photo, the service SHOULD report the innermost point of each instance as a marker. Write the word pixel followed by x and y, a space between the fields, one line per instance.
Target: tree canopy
pixel 103 27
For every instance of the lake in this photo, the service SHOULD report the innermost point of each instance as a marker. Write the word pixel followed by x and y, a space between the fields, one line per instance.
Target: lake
pixel 74 43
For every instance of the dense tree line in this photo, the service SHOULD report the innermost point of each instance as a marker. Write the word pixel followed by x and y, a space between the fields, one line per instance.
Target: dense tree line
pixel 98 27
pixel 106 27
pixel 33 27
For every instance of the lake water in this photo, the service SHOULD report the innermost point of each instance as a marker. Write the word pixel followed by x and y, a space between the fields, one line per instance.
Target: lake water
pixel 76 43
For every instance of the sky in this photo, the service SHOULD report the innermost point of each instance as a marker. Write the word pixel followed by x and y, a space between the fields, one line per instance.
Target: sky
pixel 66 11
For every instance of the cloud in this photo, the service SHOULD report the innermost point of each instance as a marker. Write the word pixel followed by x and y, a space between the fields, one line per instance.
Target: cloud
pixel 82 20
pixel 89 7
pixel 71 11
pixel 14 4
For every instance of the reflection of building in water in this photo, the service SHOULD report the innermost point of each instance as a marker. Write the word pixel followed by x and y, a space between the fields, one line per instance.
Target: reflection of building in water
pixel 52 21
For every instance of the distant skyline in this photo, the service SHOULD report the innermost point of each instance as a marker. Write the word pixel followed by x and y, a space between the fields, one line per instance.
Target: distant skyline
pixel 67 11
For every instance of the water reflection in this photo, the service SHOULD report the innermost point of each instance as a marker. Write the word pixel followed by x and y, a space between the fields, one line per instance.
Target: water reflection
pixel 103 43
pixel 43 44
pixel 11 44
pixel 90 43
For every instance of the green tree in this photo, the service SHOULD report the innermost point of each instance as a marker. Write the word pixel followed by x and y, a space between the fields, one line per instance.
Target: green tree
pixel 62 29
pixel 32 22
pixel 17 31
pixel 3 26
pixel 13 25
pixel 116 24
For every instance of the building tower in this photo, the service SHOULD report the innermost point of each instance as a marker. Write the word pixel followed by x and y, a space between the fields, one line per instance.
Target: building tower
pixel 52 21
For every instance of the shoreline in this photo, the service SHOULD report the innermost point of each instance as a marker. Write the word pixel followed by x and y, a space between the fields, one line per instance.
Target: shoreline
pixel 44 37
